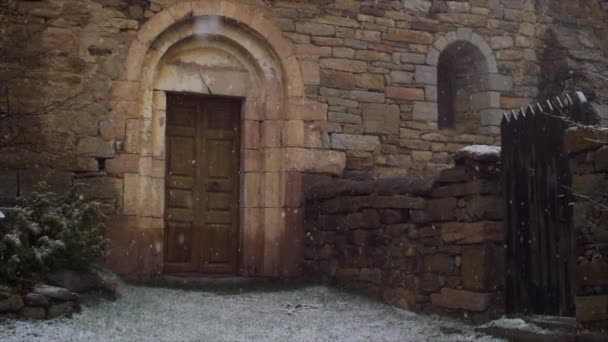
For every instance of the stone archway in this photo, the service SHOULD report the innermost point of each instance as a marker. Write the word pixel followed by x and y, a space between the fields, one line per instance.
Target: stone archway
pixel 486 98
pixel 216 40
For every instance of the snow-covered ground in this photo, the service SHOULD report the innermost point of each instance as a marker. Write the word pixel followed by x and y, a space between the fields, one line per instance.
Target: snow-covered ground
pixel 303 314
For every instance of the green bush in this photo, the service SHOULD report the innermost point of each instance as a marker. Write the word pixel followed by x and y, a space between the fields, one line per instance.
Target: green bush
pixel 45 231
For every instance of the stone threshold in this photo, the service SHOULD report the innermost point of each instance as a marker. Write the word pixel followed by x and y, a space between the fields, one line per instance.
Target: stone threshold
pixel 216 283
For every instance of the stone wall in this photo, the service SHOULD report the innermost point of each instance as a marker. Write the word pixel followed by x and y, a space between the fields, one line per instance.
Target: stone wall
pixel 371 62
pixel 423 244
pixel 350 89
pixel 588 149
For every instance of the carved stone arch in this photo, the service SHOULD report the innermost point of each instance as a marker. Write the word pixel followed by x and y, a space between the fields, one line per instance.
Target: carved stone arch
pixel 271 164
pixel 486 100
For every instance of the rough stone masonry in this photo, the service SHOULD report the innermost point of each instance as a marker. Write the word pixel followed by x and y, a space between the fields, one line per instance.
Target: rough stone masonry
pixel 345 88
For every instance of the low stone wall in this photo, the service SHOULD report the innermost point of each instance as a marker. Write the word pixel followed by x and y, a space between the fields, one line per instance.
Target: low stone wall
pixel 433 245
pixel 41 302
pixel 588 149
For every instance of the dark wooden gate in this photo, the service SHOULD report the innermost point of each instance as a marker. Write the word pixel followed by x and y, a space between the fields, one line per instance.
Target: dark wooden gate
pixel 540 237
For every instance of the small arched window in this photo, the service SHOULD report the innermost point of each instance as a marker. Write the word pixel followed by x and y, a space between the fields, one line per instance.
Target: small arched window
pixel 460 71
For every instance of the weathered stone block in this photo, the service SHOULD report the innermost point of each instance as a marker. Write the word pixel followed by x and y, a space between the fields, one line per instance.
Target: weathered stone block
pixel 464 233
pixel 502 42
pixel 123 163
pixel 344 118
pixel 496 82
pixel 442 209
pixel 592 273
pixel 478 187
pixel 354 142
pixel 367 96
pixel 491 117
pixel 397 202
pixel 582 138
pixel 426 74
pixel 96 147
pixel 439 263
pixel 425 111
pixel 370 81
pixel 369 275
pixel 409 36
pixel 100 187
pixel 453 175
pixel 398 76
pixel 486 100
pixel 480 265
pixel 35 299
pixel 380 118
pixel 310 73
pixel 482 208
pixel 337 79
pixel 410 58
pixel 306 110
pixel 342 64
pixel 311 160
pixel 458 299
pixel 316 29
pixel 472 20
pixel 429 282
pixel 403 93
pixel 368 219
pixel 591 308
pixel 589 184
pixel 391 216
pixel 10 302
pixel 600 159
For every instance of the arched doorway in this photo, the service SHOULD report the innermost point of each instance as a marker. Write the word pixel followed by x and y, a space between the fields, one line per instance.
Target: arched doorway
pixel 209 51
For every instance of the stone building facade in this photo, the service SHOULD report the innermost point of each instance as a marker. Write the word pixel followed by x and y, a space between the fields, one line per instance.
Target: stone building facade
pixel 347 88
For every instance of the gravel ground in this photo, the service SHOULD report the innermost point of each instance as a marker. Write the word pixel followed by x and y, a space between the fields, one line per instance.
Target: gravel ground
pixel 302 314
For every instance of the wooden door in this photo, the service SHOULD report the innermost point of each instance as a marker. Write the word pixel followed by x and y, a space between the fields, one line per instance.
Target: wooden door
pixel 202 184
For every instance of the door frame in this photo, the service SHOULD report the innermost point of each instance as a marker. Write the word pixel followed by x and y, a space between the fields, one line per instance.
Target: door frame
pixel 194 267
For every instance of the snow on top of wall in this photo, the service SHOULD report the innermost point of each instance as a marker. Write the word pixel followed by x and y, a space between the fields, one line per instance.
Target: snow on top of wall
pixel 479 152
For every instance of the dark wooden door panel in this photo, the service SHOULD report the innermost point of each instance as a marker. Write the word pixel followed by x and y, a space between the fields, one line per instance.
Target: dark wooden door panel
pixel 181 250
pixel 202 184
pixel 221 186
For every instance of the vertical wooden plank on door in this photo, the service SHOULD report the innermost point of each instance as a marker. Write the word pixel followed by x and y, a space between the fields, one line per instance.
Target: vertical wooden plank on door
pixel 180 185
pixel 221 186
